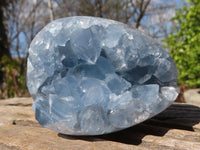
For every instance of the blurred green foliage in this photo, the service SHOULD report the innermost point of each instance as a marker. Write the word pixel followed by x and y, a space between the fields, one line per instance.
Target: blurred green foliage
pixel 184 43
pixel 15 79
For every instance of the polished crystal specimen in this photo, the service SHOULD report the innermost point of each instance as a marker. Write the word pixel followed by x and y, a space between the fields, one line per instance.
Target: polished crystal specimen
pixel 90 76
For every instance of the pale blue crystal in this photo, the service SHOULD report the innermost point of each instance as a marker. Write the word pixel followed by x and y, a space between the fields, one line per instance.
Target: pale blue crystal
pixel 91 76
pixel 122 110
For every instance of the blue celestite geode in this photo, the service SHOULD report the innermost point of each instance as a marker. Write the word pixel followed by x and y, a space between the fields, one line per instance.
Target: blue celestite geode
pixel 90 76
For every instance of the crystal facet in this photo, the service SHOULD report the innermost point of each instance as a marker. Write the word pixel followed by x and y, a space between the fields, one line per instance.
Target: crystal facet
pixel 90 76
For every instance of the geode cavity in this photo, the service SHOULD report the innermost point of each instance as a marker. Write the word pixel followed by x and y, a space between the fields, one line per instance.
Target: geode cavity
pixel 91 76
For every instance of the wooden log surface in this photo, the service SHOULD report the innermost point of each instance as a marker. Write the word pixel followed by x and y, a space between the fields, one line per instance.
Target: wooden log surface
pixel 177 128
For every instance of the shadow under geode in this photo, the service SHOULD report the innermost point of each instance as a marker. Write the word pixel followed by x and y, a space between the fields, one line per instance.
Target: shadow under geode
pixel 177 116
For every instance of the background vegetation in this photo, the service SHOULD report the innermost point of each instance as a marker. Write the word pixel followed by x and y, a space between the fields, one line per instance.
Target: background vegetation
pixel 184 43
pixel 175 22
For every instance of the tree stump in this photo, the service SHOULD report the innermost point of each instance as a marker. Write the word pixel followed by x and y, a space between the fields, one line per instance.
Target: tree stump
pixel 178 128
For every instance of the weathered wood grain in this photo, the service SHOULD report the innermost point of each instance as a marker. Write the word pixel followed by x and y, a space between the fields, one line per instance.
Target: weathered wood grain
pixel 177 128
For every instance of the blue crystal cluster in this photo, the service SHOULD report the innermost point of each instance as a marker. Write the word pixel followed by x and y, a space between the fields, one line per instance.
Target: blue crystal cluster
pixel 90 76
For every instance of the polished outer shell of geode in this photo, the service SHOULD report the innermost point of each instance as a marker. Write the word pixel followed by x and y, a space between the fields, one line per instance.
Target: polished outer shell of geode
pixel 90 76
